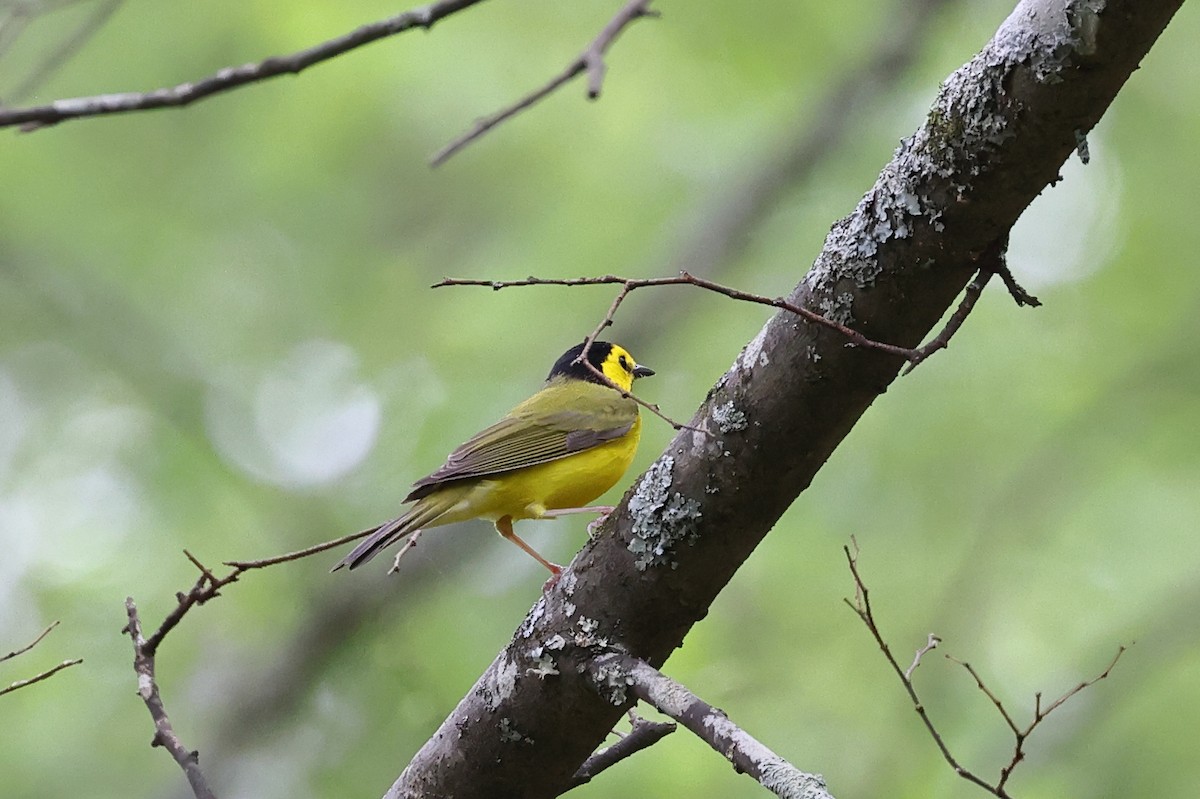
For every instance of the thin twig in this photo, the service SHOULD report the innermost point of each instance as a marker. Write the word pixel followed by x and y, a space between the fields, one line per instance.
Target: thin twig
pixel 930 644
pixel 686 278
pixel 583 358
pixel 642 734
pixel 591 61
pixel 223 80
pixel 164 733
pixel 409 544
pixel 862 607
pixel 993 261
pixel 1021 734
pixel 39 677
pixel 30 645
pixel 208 585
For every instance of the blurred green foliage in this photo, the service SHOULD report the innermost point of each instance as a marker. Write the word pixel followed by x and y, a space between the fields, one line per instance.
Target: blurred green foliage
pixel 216 333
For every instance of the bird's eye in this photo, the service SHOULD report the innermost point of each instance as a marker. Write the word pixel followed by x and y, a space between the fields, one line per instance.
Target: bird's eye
pixel 624 363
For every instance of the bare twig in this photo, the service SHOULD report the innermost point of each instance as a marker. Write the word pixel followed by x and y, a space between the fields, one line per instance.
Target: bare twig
pixel 39 677
pixel 223 80
pixel 409 544
pixel 1021 734
pixel 164 733
pixel 583 358
pixel 591 61
pixel 862 606
pixel 992 262
pixel 642 735
pixel 614 673
pixel 30 645
pixel 930 644
pixel 686 278
pixel 208 585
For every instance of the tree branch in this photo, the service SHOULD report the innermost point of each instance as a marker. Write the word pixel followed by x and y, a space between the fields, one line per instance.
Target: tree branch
pixel 164 733
pixel 642 735
pixel 48 673
pixel 997 134
pixel 229 78
pixel 45 675
pixel 30 645
pixel 862 607
pixel 612 673
pixel 591 61
pixel 208 585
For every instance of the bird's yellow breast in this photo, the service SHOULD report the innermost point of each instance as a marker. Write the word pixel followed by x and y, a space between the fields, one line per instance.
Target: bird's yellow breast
pixel 569 482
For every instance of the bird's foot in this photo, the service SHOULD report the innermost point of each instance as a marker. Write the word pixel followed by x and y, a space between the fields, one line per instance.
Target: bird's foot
pixel 594 525
pixel 555 574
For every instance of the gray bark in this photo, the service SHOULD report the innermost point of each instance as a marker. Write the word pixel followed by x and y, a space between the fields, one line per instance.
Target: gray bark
pixel 997 134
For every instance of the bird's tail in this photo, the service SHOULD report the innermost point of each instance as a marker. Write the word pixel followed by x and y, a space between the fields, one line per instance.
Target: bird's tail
pixel 426 513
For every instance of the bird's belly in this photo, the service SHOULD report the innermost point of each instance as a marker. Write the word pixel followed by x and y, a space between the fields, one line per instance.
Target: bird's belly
pixel 569 482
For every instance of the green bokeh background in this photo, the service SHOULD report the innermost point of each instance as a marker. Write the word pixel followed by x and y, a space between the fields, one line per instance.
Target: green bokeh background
pixel 216 333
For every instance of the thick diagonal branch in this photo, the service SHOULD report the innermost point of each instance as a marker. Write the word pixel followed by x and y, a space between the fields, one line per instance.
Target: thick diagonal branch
pixel 997 134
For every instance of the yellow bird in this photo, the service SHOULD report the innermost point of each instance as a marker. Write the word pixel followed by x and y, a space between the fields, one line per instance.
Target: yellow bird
pixel 549 456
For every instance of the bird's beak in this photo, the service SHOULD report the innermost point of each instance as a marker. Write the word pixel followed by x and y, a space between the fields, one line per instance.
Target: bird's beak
pixel 642 371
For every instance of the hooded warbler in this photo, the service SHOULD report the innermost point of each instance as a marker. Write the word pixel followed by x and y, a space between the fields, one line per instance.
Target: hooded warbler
pixel 549 456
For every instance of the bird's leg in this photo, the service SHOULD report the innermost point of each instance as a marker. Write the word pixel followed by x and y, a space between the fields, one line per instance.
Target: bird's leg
pixel 602 512
pixel 504 528
pixel 598 509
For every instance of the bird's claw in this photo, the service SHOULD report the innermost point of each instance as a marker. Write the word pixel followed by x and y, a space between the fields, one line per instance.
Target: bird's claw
pixel 594 525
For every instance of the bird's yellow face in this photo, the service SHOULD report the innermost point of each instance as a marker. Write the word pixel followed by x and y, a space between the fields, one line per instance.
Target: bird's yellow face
pixel 620 367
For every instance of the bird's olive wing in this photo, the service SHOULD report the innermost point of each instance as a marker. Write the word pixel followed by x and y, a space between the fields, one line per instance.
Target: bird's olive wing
pixel 533 434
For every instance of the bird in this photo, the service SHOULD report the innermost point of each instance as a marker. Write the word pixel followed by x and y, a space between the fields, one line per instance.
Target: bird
pixel 549 456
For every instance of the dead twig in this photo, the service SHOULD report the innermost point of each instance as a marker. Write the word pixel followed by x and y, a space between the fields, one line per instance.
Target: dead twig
pixel 628 285
pixel 164 732
pixel 30 645
pixel 862 607
pixel 642 734
pixel 1021 734
pixel 992 262
pixel 183 94
pixel 208 585
pixel 66 664
pixel 48 673
pixel 591 61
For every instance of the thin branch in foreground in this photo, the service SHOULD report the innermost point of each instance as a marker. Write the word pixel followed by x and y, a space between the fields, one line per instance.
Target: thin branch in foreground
pixel 642 734
pixel 35 117
pixel 614 673
pixel 862 607
pixel 164 733
pixel 591 61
